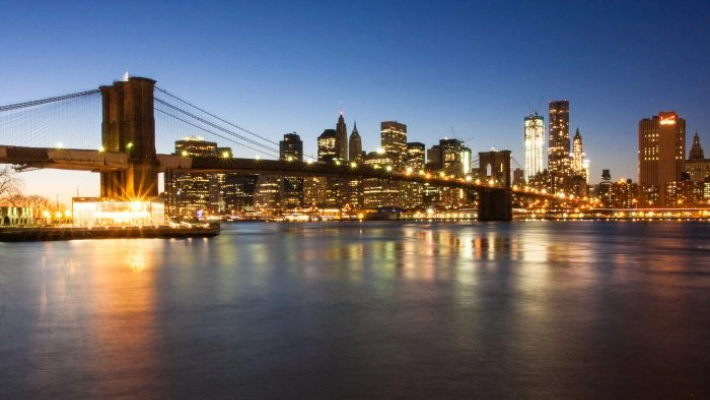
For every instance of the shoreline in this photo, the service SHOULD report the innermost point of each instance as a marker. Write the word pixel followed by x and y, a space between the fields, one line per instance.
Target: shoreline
pixel 44 234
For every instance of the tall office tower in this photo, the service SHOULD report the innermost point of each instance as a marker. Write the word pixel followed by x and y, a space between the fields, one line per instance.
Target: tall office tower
pixel 352 192
pixel 416 154
pixel 578 155
pixel 412 193
pixel 380 192
pixel 434 158
pixel 327 148
pixel 394 142
pixel 661 152
pixel 534 136
pixel 341 138
pixel 355 148
pixel 455 157
pixel 291 149
pixel 558 162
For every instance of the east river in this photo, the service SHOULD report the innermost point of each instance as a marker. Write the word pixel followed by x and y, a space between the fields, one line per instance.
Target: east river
pixel 523 310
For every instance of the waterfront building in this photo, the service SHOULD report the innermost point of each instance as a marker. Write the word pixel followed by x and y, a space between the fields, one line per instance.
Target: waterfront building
pixel 558 161
pixel 268 193
pixel 534 137
pixel 624 194
pixel 661 156
pixel 394 142
pixel 238 192
pixel 605 189
pixel 192 194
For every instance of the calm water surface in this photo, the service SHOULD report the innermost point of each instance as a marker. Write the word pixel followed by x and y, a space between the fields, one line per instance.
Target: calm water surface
pixel 363 311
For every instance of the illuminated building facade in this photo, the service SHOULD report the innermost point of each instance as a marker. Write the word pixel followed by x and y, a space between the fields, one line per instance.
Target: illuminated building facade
pixel 380 192
pixel 534 136
pixel 558 162
pixel 352 188
pixel 291 149
pixel 661 152
pixel 416 156
pixel 328 192
pixel 394 142
pixel 341 138
pixel 91 212
pixel 327 149
pixel 191 194
pixel 412 192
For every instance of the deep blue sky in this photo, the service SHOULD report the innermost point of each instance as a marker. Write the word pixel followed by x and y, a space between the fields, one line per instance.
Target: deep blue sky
pixel 278 67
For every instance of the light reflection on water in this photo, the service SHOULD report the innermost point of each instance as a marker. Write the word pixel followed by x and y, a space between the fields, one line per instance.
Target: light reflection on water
pixel 376 310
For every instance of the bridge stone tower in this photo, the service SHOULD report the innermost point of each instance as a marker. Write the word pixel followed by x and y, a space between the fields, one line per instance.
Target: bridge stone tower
pixel 129 127
pixel 495 204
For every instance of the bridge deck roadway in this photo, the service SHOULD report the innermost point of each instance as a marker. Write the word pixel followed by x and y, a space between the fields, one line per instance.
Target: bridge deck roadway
pixel 66 159
pixel 101 161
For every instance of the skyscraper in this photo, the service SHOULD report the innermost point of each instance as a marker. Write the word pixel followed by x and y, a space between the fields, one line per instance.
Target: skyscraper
pixel 341 138
pixel 534 136
pixel 327 146
pixel 697 165
pixel 394 142
pixel 661 151
pixel 291 149
pixel 355 147
pixel 558 162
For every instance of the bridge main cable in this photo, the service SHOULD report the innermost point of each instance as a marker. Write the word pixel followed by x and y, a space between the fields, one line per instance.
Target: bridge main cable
pixel 216 117
pixel 48 100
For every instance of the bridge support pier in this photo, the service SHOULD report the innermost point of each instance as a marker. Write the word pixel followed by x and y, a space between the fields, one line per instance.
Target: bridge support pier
pixel 495 205
pixel 129 127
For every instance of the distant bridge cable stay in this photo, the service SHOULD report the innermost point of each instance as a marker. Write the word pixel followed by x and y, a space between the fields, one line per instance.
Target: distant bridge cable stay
pixel 271 151
pixel 216 117
pixel 264 147
pixel 48 100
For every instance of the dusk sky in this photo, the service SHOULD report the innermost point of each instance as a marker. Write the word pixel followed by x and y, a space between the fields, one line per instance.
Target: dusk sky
pixel 470 69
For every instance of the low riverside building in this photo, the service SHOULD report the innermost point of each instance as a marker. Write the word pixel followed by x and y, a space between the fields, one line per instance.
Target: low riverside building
pixel 16 216
pixel 92 211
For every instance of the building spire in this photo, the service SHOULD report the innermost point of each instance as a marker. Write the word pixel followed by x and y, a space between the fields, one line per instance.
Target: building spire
pixel 696 152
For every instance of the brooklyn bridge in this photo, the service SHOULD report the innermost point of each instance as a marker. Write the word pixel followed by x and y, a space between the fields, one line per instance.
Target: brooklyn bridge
pixel 129 164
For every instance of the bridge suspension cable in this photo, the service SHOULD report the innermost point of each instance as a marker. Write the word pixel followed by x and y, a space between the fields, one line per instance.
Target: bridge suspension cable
pixel 265 149
pixel 70 120
pixel 270 152
pixel 48 100
pixel 203 123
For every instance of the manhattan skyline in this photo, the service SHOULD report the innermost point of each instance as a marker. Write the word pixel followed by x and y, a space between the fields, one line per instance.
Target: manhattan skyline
pixel 453 70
